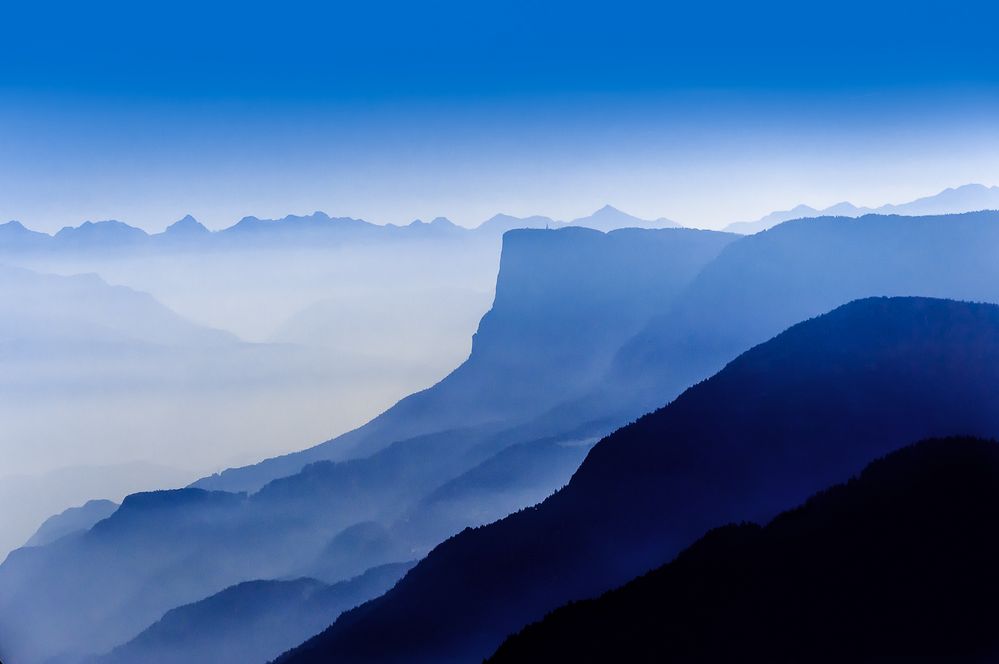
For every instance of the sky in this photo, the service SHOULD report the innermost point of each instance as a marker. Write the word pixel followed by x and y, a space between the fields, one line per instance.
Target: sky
pixel 705 113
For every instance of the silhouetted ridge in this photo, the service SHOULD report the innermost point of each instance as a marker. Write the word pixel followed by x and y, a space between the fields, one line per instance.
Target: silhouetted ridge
pixel 798 413
pixel 895 565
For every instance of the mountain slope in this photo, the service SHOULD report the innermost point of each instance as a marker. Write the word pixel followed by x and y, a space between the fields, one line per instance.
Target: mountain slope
pixel 785 419
pixel 251 622
pixel 899 563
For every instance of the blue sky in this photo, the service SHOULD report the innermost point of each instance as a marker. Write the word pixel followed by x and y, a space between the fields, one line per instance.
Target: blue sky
pixel 706 113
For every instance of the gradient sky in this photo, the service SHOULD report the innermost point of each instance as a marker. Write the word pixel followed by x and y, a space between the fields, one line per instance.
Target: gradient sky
pixel 702 112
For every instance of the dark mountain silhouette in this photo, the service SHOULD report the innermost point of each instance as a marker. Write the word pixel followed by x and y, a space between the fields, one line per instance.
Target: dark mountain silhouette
pixel 966 198
pixel 800 412
pixel 898 564
pixel 250 622
pixel 565 302
pixel 72 520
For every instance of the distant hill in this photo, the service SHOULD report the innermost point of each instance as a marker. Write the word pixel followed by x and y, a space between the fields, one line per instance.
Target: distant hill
pixel 72 520
pixel 84 310
pixel 800 412
pixel 898 564
pixel 966 198
pixel 250 622
pixel 609 218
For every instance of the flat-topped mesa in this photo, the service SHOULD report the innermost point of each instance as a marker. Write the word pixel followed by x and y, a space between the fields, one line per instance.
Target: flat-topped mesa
pixel 566 300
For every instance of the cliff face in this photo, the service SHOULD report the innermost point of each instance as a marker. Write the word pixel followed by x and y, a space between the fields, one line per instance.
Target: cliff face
pixel 566 300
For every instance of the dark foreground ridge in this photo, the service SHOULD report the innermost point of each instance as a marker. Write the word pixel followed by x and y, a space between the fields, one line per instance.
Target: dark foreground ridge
pixel 898 564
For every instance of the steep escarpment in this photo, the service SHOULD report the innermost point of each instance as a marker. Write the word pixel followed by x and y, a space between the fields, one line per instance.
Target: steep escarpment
pixel 566 300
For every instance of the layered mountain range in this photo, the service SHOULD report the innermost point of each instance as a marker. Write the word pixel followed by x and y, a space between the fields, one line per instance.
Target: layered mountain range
pixel 587 332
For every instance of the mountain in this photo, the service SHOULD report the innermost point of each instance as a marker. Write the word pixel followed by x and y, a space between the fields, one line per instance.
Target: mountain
pixel 316 229
pixel 800 412
pixel 898 564
pixel 250 622
pixel 605 219
pixel 16 237
pixel 501 223
pixel 186 228
pixel 966 198
pixel 538 344
pixel 100 236
pixel 40 497
pixel 565 302
pixel 72 520
pixel 609 218
pixel 764 283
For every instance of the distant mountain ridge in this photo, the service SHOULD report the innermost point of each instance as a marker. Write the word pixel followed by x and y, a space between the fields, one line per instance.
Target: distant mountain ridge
pixel 189 233
pixel 966 198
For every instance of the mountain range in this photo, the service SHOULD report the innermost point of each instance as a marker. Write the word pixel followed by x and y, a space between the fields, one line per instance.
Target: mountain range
pixel 803 411
pixel 115 237
pixel 458 454
pixel 966 198
pixel 587 331
pixel 249 232
pixel 898 564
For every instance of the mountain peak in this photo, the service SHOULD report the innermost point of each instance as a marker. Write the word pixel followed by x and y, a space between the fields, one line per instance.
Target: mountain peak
pixel 187 225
